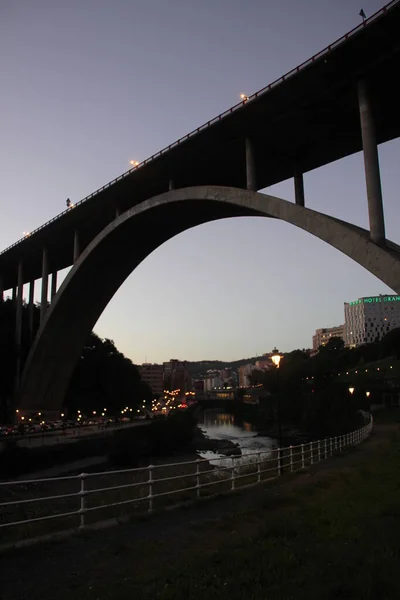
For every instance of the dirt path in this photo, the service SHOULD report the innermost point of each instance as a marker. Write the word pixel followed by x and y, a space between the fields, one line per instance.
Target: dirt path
pixel 86 565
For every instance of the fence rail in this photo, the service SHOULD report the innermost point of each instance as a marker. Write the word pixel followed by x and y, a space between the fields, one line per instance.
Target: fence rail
pixel 33 508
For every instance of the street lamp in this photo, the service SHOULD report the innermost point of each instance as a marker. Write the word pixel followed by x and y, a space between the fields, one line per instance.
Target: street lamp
pixel 368 394
pixel 351 390
pixel 276 358
pixel 244 97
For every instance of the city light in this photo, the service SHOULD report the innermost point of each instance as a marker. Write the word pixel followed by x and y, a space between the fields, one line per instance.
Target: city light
pixel 26 233
pixel 94 412
pixel 244 97
pixel 134 163
pixel 17 411
pixel 351 390
pixel 276 358
pixel 62 414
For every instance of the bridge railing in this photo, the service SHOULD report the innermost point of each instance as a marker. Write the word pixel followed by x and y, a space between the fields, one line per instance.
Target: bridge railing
pixel 226 113
pixel 36 508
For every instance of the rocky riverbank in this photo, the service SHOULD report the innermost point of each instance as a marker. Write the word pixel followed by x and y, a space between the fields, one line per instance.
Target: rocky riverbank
pixel 225 447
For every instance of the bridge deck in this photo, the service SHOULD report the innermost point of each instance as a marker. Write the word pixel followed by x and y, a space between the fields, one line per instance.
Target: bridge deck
pixel 306 120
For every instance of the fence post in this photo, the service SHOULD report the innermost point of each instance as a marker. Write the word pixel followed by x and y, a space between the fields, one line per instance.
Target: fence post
pixel 258 467
pixel 319 451
pixel 82 494
pixel 291 459
pixel 150 488
pixel 233 474
pixel 311 453
pixel 331 446
pixel 302 456
pixel 279 462
pixel 326 449
pixel 198 477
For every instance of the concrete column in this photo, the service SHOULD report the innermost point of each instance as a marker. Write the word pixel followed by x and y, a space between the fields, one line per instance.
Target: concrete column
pixel 371 165
pixel 53 291
pixel 45 285
pixel 18 326
pixel 171 185
pixel 77 248
pixel 31 308
pixel 251 182
pixel 299 189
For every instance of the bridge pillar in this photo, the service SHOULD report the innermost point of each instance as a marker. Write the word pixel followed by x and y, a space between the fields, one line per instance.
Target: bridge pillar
pixel 251 182
pixel 371 165
pixel 77 249
pixel 18 325
pixel 53 285
pixel 45 284
pixel 31 308
pixel 299 189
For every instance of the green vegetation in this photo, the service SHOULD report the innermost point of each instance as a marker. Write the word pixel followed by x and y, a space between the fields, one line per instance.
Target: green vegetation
pixel 162 437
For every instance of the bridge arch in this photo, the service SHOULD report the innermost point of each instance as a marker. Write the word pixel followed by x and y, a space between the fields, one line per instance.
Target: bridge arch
pixel 111 257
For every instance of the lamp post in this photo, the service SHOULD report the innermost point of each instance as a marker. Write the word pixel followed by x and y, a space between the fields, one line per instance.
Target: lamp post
pixel 276 358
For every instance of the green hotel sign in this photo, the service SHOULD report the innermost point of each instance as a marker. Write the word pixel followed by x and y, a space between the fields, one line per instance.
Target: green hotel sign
pixel 375 299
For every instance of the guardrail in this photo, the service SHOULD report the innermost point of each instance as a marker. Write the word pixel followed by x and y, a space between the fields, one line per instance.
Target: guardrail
pixel 226 113
pixel 32 507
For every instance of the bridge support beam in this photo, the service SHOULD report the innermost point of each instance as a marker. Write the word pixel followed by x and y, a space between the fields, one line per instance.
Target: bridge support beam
pixel 251 182
pixel 45 285
pixel 53 291
pixel 31 308
pixel 371 165
pixel 299 189
pixel 77 249
pixel 18 326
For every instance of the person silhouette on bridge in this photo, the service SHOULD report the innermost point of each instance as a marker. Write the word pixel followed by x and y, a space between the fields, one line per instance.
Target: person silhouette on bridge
pixel 68 203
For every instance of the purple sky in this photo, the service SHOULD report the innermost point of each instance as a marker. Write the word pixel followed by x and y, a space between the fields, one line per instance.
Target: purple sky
pixel 88 85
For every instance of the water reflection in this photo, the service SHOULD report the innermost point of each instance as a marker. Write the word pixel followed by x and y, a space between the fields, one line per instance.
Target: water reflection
pixel 217 424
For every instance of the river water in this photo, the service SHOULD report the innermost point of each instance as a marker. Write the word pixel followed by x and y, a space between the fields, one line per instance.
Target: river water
pixel 217 424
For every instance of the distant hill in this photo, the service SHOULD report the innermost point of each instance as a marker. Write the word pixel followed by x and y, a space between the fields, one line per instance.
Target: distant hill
pixel 197 368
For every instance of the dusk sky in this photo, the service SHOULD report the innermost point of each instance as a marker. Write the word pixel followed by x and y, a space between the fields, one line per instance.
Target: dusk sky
pixel 88 85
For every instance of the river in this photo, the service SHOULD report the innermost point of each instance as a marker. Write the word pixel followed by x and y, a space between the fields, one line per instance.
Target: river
pixel 217 424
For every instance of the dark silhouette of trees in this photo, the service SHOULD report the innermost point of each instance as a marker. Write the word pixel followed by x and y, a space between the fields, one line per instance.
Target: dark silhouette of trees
pixel 103 376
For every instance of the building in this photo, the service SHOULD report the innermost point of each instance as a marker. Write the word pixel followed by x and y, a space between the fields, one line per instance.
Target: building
pixel 244 374
pixel 264 363
pixel 368 319
pixel 211 382
pixel 322 336
pixel 153 374
pixel 177 376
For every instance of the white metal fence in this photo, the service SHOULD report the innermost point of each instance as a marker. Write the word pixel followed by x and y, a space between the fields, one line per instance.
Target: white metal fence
pixel 33 508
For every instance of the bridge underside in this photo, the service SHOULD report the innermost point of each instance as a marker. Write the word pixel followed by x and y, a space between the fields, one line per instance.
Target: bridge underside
pixel 112 256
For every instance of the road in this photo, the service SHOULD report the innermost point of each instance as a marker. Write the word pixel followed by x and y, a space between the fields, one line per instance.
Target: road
pixel 69 435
